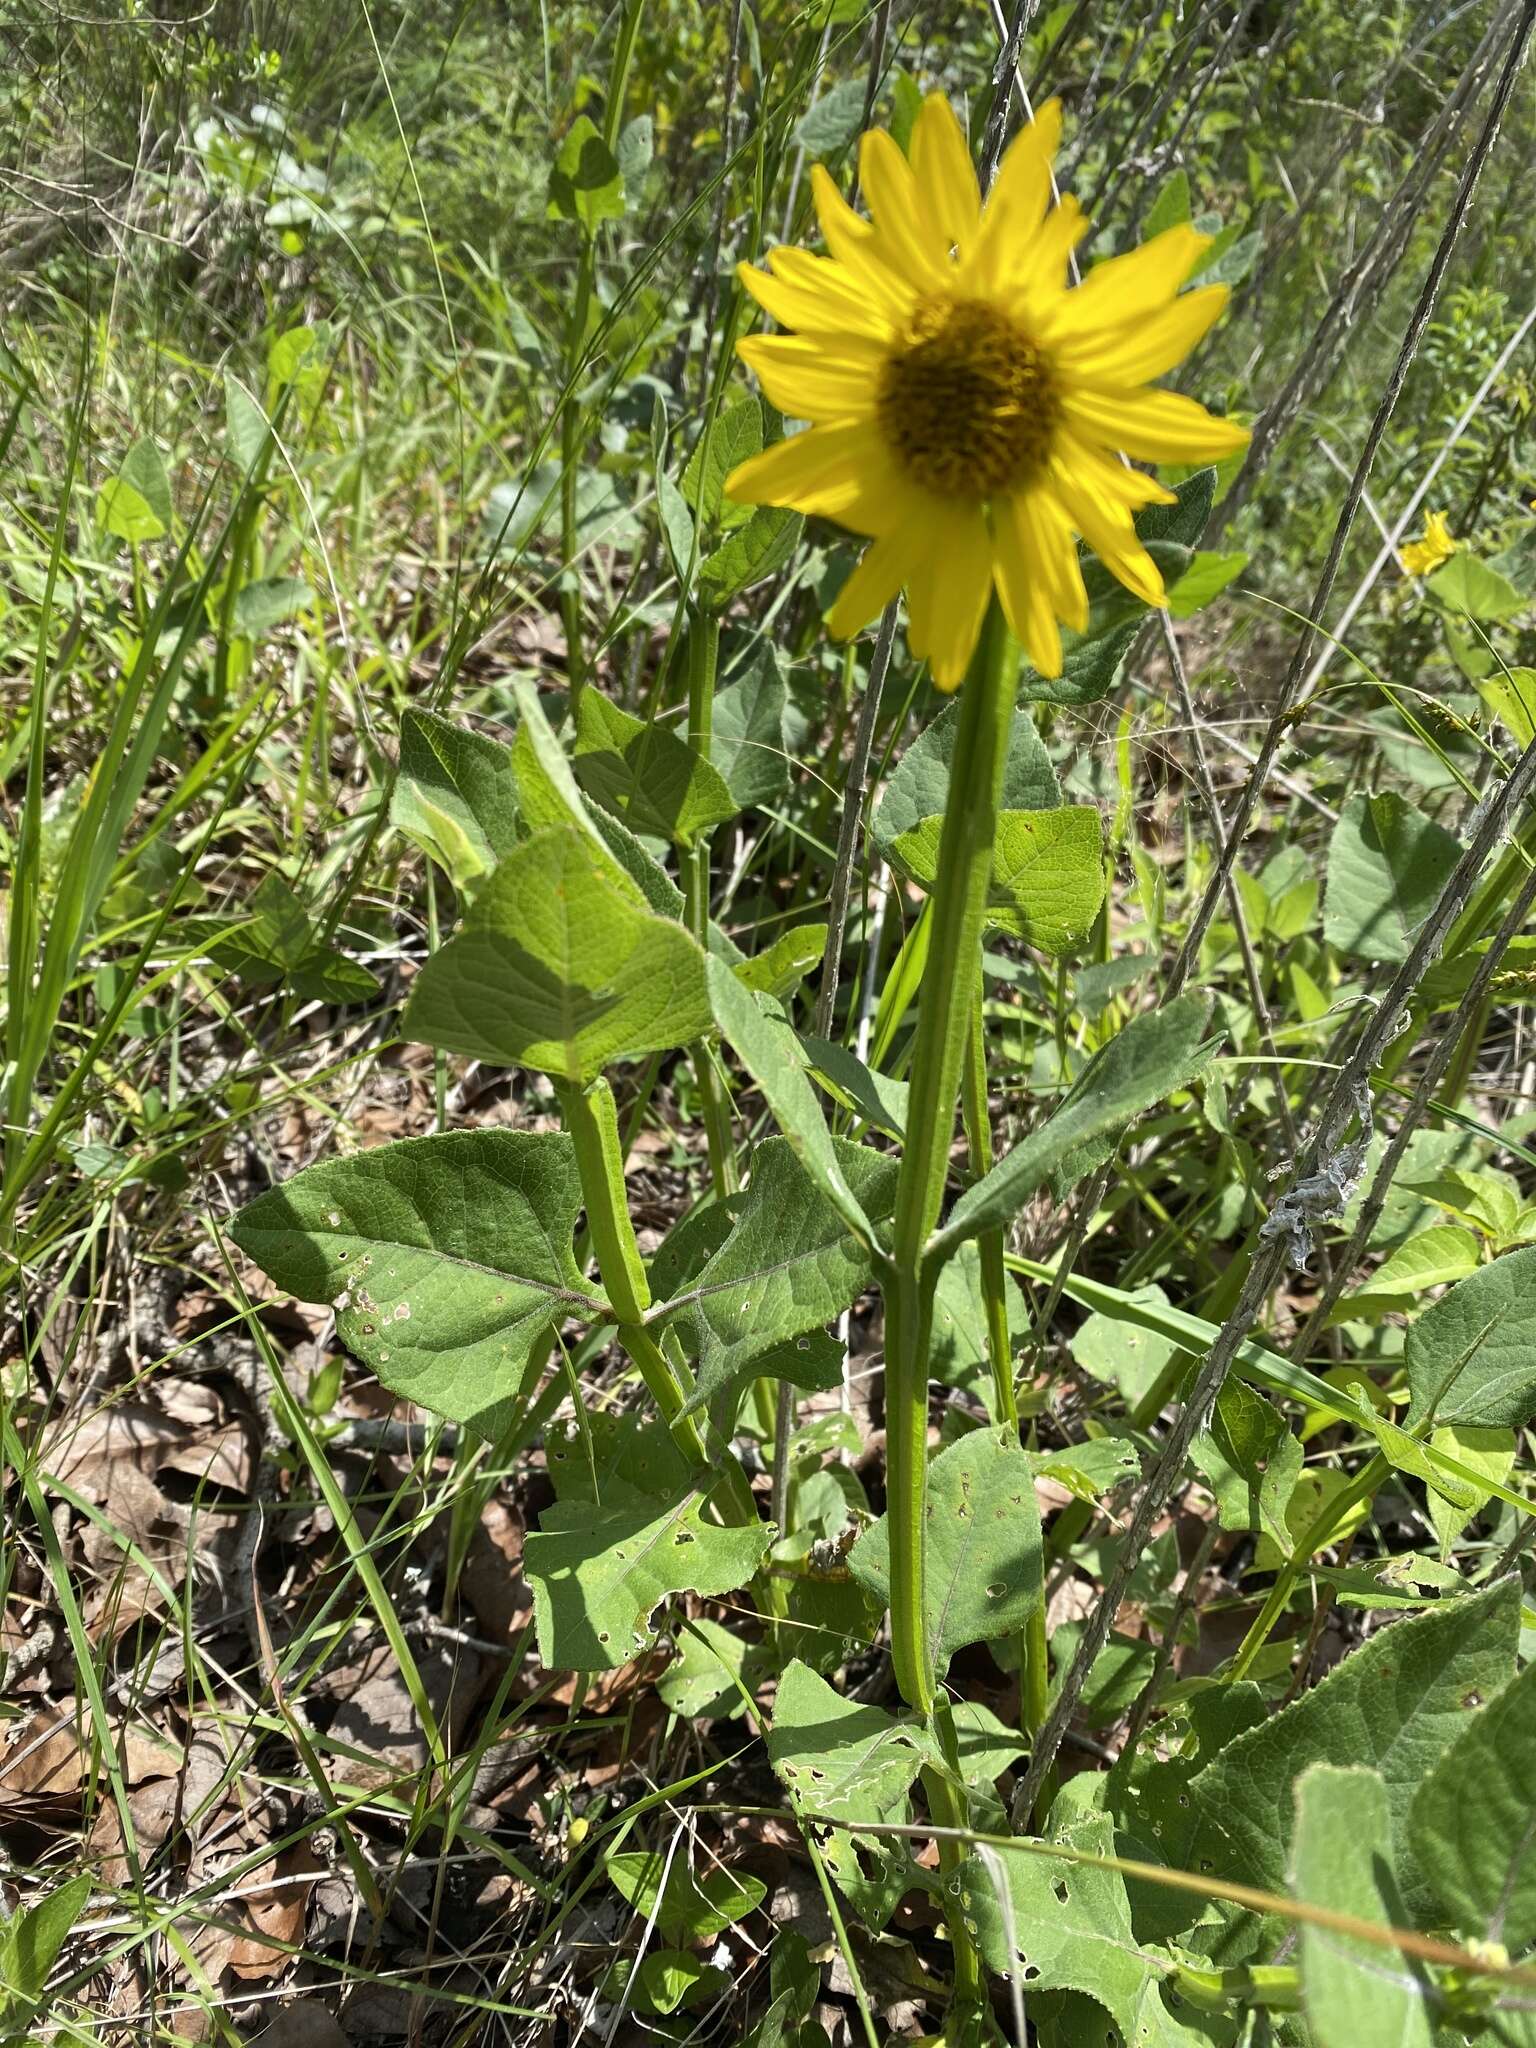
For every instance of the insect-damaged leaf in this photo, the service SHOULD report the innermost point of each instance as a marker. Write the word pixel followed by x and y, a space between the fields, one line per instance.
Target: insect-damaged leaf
pixel 445 1257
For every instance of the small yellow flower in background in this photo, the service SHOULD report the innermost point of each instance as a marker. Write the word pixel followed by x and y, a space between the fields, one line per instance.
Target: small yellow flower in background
pixel 969 407
pixel 1420 557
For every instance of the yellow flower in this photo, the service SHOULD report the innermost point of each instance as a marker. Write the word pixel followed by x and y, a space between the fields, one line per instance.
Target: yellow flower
pixel 969 409
pixel 1437 546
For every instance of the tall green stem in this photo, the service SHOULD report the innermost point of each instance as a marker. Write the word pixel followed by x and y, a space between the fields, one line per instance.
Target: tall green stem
pixel 703 662
pixel 946 1002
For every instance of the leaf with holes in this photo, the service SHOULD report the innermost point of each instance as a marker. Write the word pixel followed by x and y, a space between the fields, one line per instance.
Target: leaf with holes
pixel 446 1259
pixel 455 796
pixel 557 968
pixel 599 1576
pixel 1395 1704
pixel 615 1460
pixel 787 1268
pixel 684 1907
pixel 983 1578
pixel 715 1673
pixel 1472 1357
pixel 1356 1995
pixel 1473 1823
pixel 1047 872
pixel 842 1762
pixel 1067 1927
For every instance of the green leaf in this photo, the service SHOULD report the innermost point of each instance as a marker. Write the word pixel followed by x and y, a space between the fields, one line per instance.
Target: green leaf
pixel 30 1942
pixel 1466 585
pixel 750 555
pixel 1430 1258
pixel 122 512
pixel 548 795
pixel 1471 1358
pixel 983 1577
pixel 1472 1821
pixel 277 942
pixel 1490 1202
pixel 1154 1055
pixel 713 1667
pixel 958 1354
pixel 747 742
pixel 786 963
pixel 1512 699
pixel 1387 864
pixel 1396 1704
pixel 585 183
pixel 269 602
pixel 685 1907
pixel 738 436
pixel 873 1096
pixel 771 1054
pixel 455 796
pixel 1206 577
pixel 636 147
pixel 831 122
pixel 1170 207
pixel 670 1977
pixel 616 1460
pixel 1251 1462
pixel 1123 1355
pixel 647 773
pixel 1068 1927
pixel 1356 1995
pixel 919 788
pixel 557 969
pixel 245 425
pixel 788 1267
pixel 136 504
pixel 1047 872
pixel 301 356
pixel 676 523
pixel 1490 1452
pixel 445 1258
pixel 598 1576
pixel 850 1763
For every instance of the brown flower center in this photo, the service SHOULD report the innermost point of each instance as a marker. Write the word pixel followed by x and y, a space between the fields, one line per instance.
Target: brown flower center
pixel 966 402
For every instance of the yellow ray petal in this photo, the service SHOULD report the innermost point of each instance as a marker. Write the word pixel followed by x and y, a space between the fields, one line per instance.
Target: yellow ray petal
pixel 947 594
pixel 820 471
pixel 1154 426
pixel 946 177
pixel 814 379
pixel 1122 289
pixel 879 577
pixel 1106 526
pixel 1145 348
pixel 1017 202
pixel 816 296
pixel 854 242
pixel 1028 549
pixel 902 224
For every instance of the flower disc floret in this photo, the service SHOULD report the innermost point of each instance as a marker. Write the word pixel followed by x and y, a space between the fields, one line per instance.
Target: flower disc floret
pixel 966 403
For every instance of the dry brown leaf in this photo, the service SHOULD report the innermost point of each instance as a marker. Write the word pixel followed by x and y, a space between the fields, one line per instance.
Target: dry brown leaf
pixel 277 1916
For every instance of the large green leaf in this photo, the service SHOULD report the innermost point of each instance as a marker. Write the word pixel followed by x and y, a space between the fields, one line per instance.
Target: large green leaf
pixel 599 1575
pixel 1356 1994
pixel 549 795
pixel 684 1907
pixel 455 795
pixel 772 1055
pixel 848 1763
pixel 30 1941
pixel 738 435
pixel 1396 1704
pixel 1251 1462
pixel 788 1267
pixel 1472 1356
pixel 556 968
pixel 647 773
pixel 585 182
pixel 445 1257
pixel 1067 1927
pixel 1047 872
pixel 277 941
pixel 1473 1823
pixel 615 1460
pixel 749 555
pixel 983 1576
pixel 1387 864
pixel 919 788
pixel 1154 1054
pixel 747 741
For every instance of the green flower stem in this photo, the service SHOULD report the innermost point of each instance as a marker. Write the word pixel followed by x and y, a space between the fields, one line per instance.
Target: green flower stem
pixel 994 1279
pixel 703 662
pixel 946 1004
pixel 948 1807
pixel 1312 1539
